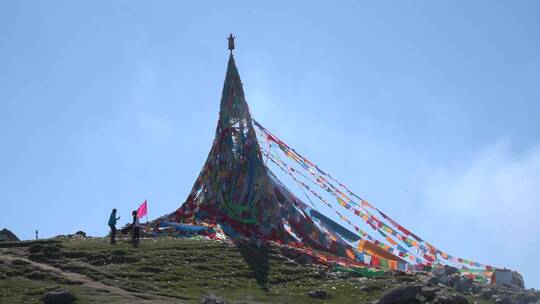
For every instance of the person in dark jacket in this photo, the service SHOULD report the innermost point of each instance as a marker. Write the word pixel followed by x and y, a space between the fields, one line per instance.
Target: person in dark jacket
pixel 136 225
pixel 112 224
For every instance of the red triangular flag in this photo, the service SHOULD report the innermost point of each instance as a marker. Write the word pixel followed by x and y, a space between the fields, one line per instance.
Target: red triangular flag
pixel 142 211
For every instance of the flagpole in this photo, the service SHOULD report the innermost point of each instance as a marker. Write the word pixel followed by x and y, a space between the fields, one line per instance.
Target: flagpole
pixel 146 200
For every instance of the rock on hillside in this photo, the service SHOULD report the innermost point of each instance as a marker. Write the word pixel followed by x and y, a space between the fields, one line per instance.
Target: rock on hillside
pixel 8 236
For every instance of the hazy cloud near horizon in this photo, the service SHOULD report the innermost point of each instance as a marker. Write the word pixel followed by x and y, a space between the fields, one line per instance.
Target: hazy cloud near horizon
pixel 491 204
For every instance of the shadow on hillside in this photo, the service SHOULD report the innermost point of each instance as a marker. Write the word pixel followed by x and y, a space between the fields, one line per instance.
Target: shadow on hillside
pixel 257 260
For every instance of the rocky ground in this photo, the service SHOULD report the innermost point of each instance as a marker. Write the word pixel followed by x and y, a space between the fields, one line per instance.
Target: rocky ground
pixel 200 271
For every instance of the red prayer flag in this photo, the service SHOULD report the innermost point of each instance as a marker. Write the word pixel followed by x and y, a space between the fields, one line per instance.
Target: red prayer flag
pixel 142 211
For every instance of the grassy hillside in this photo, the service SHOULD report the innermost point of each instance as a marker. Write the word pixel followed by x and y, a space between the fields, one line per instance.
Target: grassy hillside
pixel 175 271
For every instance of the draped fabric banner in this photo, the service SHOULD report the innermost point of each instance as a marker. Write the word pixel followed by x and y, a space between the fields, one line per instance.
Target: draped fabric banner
pixel 396 237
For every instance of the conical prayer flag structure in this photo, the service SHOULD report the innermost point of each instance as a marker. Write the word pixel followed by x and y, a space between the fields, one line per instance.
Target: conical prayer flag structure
pixel 237 191
pixel 234 187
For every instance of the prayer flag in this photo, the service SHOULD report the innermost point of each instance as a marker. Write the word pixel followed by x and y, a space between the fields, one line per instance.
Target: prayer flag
pixel 142 211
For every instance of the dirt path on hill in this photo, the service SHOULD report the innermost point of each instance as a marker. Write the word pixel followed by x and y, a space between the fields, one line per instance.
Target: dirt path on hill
pixel 87 282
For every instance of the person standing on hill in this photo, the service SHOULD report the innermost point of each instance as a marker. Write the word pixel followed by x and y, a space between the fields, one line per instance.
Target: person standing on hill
pixel 112 224
pixel 136 225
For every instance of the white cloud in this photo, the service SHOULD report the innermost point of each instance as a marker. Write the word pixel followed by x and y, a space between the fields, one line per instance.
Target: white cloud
pixel 488 209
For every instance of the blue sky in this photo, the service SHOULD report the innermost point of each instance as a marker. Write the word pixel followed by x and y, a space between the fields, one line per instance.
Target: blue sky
pixel 427 109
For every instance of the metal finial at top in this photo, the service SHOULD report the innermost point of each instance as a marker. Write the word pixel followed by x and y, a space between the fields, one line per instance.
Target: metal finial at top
pixel 231 42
